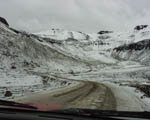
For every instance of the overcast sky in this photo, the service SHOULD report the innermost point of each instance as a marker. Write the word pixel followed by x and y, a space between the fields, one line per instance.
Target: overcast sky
pixel 79 15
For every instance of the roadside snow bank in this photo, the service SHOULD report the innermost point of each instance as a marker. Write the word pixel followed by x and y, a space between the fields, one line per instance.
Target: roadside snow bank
pixel 23 84
pixel 128 98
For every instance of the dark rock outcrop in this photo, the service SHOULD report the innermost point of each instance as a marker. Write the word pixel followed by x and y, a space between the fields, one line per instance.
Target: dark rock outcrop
pixel 104 32
pixel 8 93
pixel 140 27
pixel 3 20
pixel 145 44
pixel 144 88
pixel 138 52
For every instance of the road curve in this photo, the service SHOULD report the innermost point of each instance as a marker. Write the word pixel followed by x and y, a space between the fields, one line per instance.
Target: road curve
pixel 86 94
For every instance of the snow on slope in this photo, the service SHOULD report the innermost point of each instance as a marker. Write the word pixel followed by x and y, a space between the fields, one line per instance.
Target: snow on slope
pixel 141 34
pixel 71 54
pixel 137 49
pixel 60 34
pixel 84 46
pixel 6 28
pixel 103 47
pixel 34 53
pixel 128 99
pixel 129 49
pixel 94 47
pixel 21 53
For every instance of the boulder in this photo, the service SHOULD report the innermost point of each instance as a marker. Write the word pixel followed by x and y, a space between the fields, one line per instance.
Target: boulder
pixel 8 93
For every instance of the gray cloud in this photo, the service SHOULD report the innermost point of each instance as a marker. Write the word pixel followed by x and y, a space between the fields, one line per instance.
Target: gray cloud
pixel 82 15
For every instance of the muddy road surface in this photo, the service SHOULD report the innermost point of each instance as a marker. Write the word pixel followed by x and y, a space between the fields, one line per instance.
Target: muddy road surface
pixel 86 94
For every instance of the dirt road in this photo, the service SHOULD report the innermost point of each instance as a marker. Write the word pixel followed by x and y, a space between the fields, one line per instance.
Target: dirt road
pixel 84 95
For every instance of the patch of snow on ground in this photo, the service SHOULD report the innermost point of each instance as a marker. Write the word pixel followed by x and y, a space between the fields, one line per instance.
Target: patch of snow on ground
pixel 128 98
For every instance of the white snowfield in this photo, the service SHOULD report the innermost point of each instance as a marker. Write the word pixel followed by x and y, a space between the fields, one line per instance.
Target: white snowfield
pixel 26 58
pixel 128 99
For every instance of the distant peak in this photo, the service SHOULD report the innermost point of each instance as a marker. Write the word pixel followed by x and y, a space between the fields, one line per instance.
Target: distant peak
pixel 3 20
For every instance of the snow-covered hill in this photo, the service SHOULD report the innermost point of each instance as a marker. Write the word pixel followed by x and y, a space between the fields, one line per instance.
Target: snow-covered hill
pixel 91 47
pixel 60 34
pixel 21 53
pixel 137 48
pixel 101 47
pixel 25 48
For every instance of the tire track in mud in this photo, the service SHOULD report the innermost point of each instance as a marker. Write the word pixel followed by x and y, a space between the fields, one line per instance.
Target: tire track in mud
pixel 97 96
pixel 90 95
pixel 75 94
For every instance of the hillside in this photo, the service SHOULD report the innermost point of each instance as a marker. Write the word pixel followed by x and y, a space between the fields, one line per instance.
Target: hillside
pixel 21 53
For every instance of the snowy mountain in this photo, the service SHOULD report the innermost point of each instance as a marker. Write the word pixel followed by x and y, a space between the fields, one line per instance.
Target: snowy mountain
pixel 60 34
pixel 27 60
pixel 97 47
pixel 92 47
pixel 31 50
